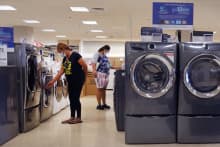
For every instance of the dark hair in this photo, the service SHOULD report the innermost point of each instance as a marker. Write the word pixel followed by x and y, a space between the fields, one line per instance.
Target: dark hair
pixel 105 47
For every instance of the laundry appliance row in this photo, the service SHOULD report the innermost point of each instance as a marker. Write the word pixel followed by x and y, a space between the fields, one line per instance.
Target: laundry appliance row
pixel 172 92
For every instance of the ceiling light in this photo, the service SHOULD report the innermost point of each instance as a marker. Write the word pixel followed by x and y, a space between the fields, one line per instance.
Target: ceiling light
pixel 96 31
pixel 214 32
pixel 49 30
pixel 31 21
pixel 89 22
pixel 6 8
pixel 79 9
pixel 61 36
pixel 101 37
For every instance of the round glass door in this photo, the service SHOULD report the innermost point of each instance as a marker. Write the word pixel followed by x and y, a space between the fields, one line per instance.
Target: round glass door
pixel 59 90
pixel 152 75
pixel 201 76
pixel 48 92
pixel 32 73
pixel 65 88
pixel 32 78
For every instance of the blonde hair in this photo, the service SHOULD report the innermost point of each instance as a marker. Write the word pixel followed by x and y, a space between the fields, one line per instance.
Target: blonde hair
pixel 62 46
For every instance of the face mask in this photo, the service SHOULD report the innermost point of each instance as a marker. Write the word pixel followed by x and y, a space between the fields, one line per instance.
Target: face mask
pixel 106 52
pixel 61 54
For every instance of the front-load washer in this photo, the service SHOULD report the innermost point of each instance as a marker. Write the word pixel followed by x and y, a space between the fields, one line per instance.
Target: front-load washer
pixel 47 95
pixel 30 87
pixel 199 93
pixel 150 92
pixel 65 94
pixel 58 90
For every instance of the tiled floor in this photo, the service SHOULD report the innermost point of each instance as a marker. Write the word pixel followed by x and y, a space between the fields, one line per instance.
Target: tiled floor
pixel 97 130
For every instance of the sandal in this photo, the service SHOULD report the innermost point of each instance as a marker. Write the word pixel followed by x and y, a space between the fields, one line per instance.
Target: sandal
pixel 67 121
pixel 75 121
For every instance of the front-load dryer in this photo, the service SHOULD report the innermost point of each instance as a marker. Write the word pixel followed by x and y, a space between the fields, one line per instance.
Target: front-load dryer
pixel 199 93
pixel 150 92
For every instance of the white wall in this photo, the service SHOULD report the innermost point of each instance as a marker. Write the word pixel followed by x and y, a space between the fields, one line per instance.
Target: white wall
pixel 88 48
pixel 23 34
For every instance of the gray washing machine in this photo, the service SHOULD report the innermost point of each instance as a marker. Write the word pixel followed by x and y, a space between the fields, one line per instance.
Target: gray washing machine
pixel 151 95
pixel 47 95
pixel 199 93
pixel 65 88
pixel 119 99
pixel 30 87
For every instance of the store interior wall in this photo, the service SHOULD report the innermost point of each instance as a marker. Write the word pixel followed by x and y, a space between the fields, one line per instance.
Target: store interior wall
pixel 88 48
pixel 23 34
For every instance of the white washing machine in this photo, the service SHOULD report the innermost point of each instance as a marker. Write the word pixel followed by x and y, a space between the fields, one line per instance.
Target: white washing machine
pixel 61 100
pixel 65 95
pixel 47 95
pixel 58 90
pixel 110 87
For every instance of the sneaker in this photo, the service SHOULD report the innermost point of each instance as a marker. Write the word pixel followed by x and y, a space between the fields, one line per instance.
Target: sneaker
pixel 106 106
pixel 99 107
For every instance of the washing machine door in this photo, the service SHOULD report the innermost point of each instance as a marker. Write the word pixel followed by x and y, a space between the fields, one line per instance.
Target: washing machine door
pixel 152 76
pixel 65 88
pixel 59 90
pixel 201 76
pixel 33 89
pixel 47 92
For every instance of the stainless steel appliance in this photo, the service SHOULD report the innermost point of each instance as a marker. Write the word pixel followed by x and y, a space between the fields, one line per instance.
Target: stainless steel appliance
pixel 30 88
pixel 150 92
pixel 9 85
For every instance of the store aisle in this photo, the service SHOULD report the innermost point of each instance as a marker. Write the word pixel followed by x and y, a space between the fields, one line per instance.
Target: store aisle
pixel 98 130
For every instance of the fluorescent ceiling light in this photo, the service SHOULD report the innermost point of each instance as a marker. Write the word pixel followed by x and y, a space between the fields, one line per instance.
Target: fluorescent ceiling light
pixel 79 9
pixel 101 37
pixel 90 22
pixel 96 31
pixel 31 21
pixel 49 30
pixel 6 8
pixel 61 36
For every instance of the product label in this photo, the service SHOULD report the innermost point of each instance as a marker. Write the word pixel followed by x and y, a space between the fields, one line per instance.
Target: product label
pixel 11 50
pixel 3 55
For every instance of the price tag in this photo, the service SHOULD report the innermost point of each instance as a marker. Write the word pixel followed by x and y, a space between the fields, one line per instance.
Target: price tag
pixel 3 55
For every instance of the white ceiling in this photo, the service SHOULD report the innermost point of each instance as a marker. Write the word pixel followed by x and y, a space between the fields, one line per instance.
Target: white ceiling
pixel 121 19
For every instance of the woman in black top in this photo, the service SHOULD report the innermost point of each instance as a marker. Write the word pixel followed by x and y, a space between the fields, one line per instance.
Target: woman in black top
pixel 75 70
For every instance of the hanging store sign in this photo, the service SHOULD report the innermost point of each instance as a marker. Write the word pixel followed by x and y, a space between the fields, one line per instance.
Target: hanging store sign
pixel 173 14
pixel 7 37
